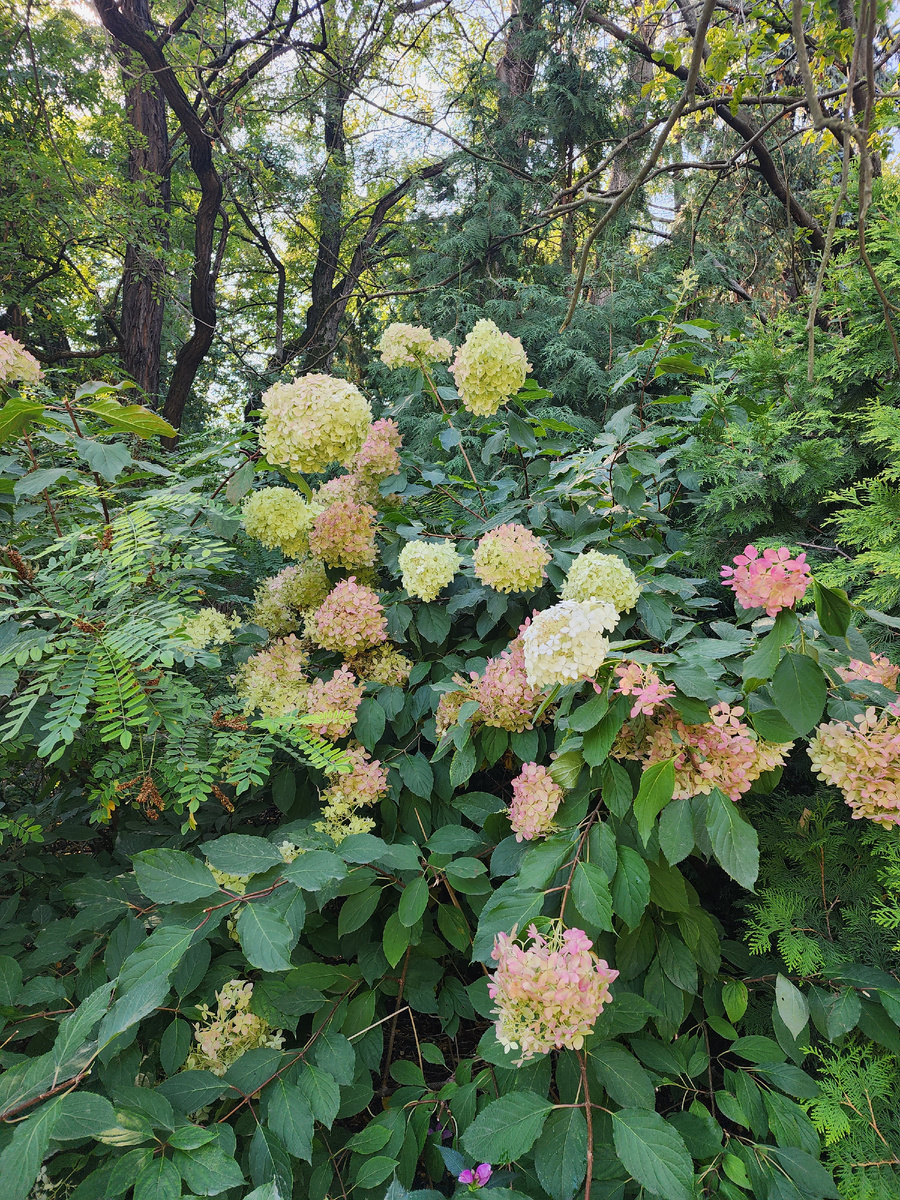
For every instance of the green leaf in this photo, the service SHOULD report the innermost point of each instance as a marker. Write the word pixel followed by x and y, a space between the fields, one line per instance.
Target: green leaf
pixel 413 902
pixel 771 725
pixel 598 741
pixel 321 1092
pixel 630 887
pixel 590 891
pixel 622 1076
pixel 130 418
pixel 416 773
pixel 265 936
pixel 173 877
pixel 586 716
pixel 507 1128
pixel 793 1006
pixel 289 1116
pixel 143 981
pixel 240 483
pixel 799 691
pixel 16 416
pixel 841 1014
pixel 734 842
pixel 676 831
pixel 565 769
pixel 107 459
pixel 506 908
pixel 314 869
pixel 375 1170
pixel 762 662
pixel 240 854
pixel 357 909
pixel 26 1149
pixel 159 1180
pixel 81 1115
pixel 653 1153
pixel 189 1091
pixel 735 997
pixel 654 793
pixel 395 939
pixel 808 1174
pixel 833 609
pixel 207 1170
pixel 433 622
pixel 10 980
pixel 35 482
pixel 560 1155
pixel 370 722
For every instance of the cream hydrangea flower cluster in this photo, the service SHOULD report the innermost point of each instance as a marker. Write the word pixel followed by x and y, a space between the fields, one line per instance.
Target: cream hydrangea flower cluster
pixel 643 683
pixel 723 753
pixel 505 697
pixel 278 601
pixel 383 664
pixel 535 799
pixel 208 625
pixel 565 643
pixel 361 787
pixel 281 519
pixel 772 581
pixel 879 670
pixel 229 1030
pixel 427 567
pixel 273 680
pixel 337 490
pixel 548 994
pixel 510 559
pixel 340 693
pixel 489 367
pixel 349 620
pixel 596 576
pixel 312 422
pixel 17 365
pixel 449 706
pixel 344 535
pixel 862 758
pixel 411 345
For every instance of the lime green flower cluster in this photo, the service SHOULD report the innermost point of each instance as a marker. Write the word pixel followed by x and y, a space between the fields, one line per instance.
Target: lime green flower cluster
pixel 281 519
pixel 209 626
pixel 312 422
pixel 596 576
pixel 279 601
pixel 489 367
pixel 427 567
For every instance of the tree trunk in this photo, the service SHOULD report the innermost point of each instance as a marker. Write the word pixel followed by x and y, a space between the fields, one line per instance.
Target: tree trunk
pixel 148 166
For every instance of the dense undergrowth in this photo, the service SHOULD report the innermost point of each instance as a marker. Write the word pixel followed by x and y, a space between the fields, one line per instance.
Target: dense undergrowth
pixel 273 806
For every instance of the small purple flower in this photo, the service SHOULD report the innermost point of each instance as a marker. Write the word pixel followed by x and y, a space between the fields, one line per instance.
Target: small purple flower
pixel 477 1178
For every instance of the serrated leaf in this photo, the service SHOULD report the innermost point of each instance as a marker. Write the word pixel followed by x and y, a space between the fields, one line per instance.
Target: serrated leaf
pixel 622 1076
pixel 630 887
pixel 590 891
pixel 793 1006
pixel 653 1153
pixel 655 792
pixel 314 869
pixel 265 936
pixel 799 690
pixel 560 1155
pixel 734 841
pixel 833 609
pixel 735 998
pixel 240 854
pixel 289 1115
pixel 413 902
pixel 507 1128
pixel 130 418
pixel 172 876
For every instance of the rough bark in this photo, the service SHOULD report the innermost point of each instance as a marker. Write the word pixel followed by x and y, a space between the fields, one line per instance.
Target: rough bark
pixel 148 166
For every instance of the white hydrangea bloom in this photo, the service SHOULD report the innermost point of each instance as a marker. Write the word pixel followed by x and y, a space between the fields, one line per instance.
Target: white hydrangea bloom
pixel 427 567
pixel 565 643
pixel 280 518
pixel 490 366
pixel 596 576
pixel 312 422
pixel 409 345
pixel 16 364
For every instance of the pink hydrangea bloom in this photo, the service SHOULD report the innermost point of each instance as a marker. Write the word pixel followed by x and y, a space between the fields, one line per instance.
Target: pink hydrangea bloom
pixel 16 363
pixel 644 685
pixel 361 787
pixel 506 699
pixel 350 619
pixel 721 754
pixel 378 457
pixel 879 670
pixel 344 535
pixel 342 487
pixel 340 693
pixel 863 760
pixel 536 797
pixel 511 559
pixel 772 581
pixel 549 994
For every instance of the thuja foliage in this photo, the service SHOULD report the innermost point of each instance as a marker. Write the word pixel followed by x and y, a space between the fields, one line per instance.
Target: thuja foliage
pixel 436 884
